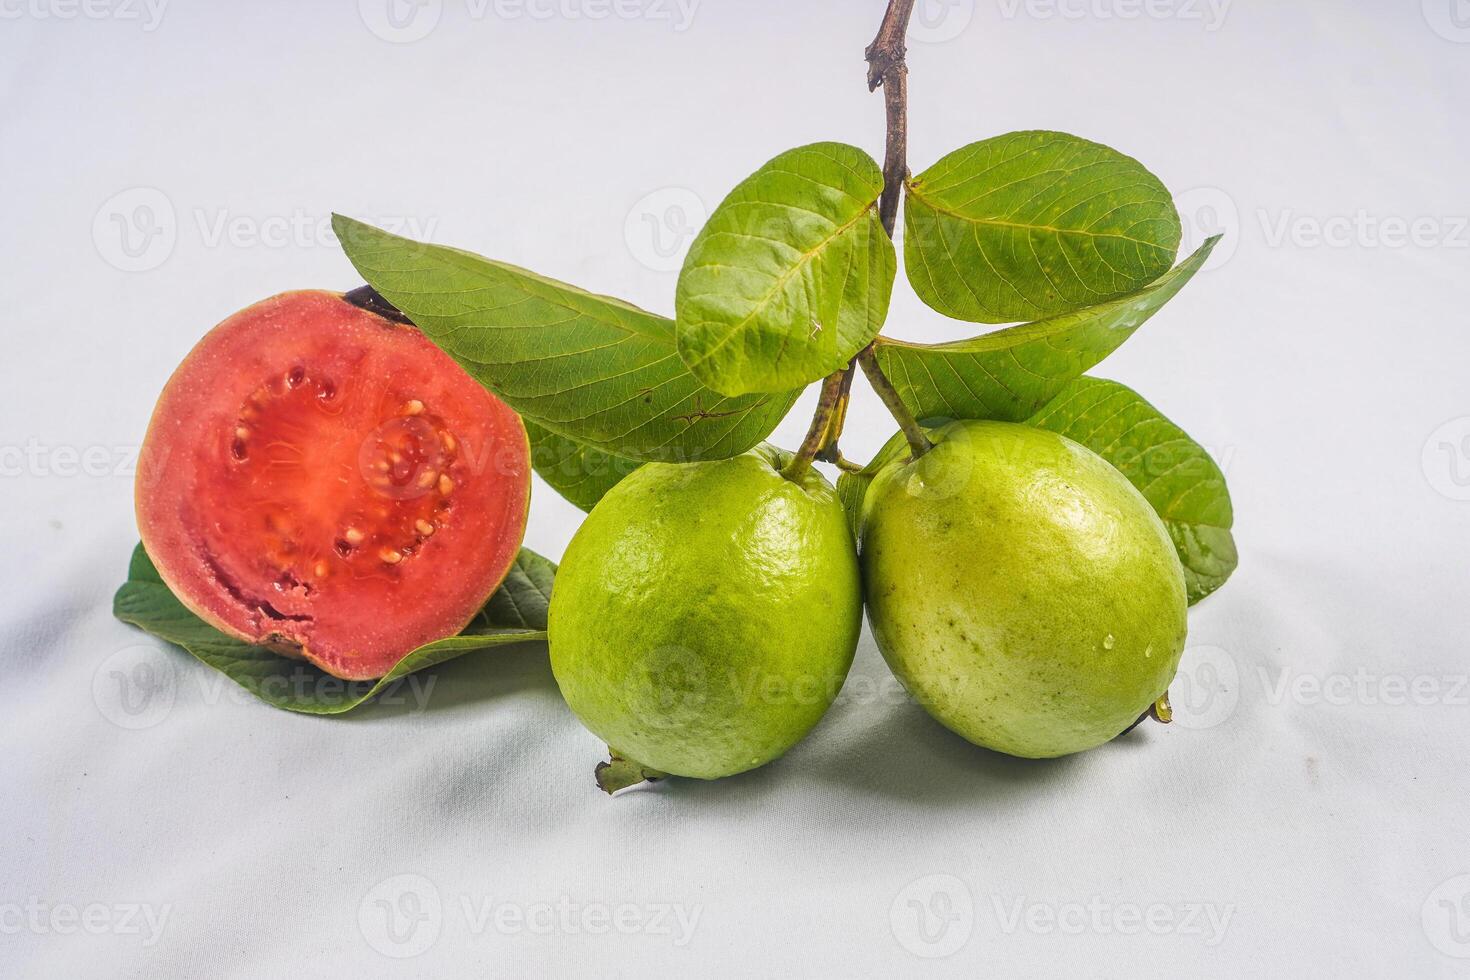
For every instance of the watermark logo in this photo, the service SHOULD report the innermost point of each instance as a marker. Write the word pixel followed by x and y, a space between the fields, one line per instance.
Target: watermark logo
pixel 1206 689
pixel 401 21
pixel 937 21
pixel 136 687
pixel 1450 19
pixel 136 230
pixel 401 916
pixel 933 917
pixel 660 226
pixel 1445 459
pixel 1446 917
pixel 1207 211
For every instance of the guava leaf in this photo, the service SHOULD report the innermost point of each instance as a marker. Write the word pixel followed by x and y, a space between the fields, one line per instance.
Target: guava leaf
pixel 574 469
pixel 791 275
pixel 1171 470
pixel 515 613
pixel 1009 374
pixel 1033 224
pixel 589 367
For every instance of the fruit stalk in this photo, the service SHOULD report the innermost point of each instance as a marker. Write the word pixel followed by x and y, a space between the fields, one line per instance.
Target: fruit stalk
pixel 826 417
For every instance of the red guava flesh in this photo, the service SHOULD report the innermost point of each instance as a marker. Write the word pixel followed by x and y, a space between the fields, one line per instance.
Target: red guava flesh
pixel 325 481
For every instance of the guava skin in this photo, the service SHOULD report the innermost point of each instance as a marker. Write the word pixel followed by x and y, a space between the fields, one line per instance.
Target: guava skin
pixel 705 614
pixel 1021 589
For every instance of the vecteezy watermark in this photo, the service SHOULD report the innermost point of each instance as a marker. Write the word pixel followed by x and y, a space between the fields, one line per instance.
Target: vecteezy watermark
pixel 1445 917
pixel 403 916
pixel 1445 459
pixel 1206 921
pixel 661 224
pixel 1206 688
pixel 137 687
pixel 406 21
pixel 42 918
pixel 1450 19
pixel 1364 230
pixel 1364 687
pixel 1210 14
pixel 1207 211
pixel 933 917
pixel 937 21
pixel 401 21
pixel 147 14
pixel 136 230
pixel 38 459
pixel 1203 213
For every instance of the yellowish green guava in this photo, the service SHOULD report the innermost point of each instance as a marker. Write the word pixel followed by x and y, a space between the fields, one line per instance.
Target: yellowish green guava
pixel 705 614
pixel 1021 588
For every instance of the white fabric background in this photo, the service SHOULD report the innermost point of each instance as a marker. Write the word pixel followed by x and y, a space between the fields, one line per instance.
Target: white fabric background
pixel 1313 798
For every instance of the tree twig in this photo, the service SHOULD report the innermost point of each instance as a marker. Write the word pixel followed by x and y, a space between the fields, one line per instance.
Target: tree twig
pixel 887 67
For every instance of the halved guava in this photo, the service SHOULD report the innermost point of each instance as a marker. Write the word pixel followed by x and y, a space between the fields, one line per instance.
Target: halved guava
pixel 324 480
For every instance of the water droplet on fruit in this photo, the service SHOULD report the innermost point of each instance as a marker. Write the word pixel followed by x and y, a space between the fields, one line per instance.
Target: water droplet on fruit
pixel 1108 642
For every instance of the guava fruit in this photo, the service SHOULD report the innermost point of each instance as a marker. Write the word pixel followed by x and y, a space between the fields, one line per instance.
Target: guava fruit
pixel 705 615
pixel 322 479
pixel 1021 588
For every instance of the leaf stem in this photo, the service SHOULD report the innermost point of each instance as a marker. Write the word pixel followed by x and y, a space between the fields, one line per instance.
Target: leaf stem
pixel 919 443
pixel 818 435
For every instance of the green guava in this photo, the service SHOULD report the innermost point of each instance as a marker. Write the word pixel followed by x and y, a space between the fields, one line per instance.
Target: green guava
pixel 1021 589
pixel 705 614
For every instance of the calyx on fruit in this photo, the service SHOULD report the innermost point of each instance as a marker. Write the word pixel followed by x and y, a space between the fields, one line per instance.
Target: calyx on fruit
pixel 322 479
pixel 1021 588
pixel 705 615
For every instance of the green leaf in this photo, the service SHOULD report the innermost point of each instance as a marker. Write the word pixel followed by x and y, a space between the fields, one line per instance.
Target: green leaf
pixel 1009 374
pixel 852 486
pixel 574 469
pixel 588 367
pixel 1171 470
pixel 791 275
pixel 1034 224
pixel 516 613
